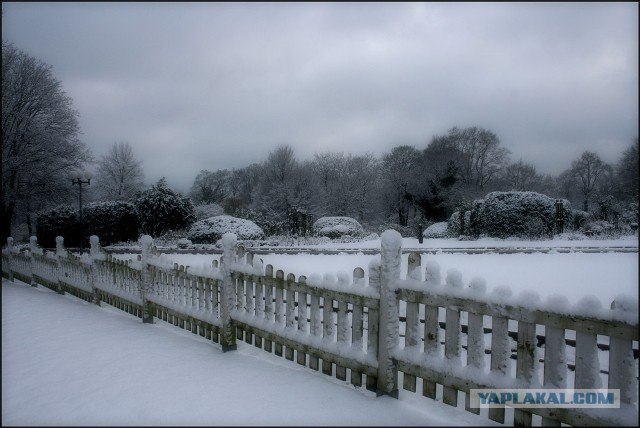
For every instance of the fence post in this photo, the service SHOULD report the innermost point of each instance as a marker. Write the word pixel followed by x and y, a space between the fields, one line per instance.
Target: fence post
pixel 33 248
pixel 146 242
pixel 388 329
pixel 61 252
pixel 10 257
pixel 96 254
pixel 227 294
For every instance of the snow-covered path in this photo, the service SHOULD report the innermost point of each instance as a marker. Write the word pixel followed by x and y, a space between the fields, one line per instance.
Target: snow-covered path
pixel 68 362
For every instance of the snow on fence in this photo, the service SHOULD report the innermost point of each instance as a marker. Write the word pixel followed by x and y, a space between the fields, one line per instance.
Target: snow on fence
pixel 371 331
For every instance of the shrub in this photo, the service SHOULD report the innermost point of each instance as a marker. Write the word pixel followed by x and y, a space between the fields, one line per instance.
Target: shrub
pixel 454 229
pixel 59 221
pixel 335 227
pixel 436 230
pixel 161 209
pixel 271 223
pixel 600 228
pixel 578 219
pixel 515 214
pixel 210 230
pixel 111 221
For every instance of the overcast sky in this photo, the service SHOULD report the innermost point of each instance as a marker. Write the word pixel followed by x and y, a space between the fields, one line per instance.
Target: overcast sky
pixel 210 86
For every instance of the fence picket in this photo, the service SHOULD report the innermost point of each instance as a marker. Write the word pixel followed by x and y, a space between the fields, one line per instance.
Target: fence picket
pixel 525 366
pixel 357 325
pixel 315 324
pixel 302 318
pixel 268 302
pixel 500 357
pixel 290 311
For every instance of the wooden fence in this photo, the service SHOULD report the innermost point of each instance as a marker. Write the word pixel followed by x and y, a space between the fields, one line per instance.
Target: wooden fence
pixel 375 330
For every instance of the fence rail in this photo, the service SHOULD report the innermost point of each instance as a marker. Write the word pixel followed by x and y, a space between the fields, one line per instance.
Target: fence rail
pixel 383 332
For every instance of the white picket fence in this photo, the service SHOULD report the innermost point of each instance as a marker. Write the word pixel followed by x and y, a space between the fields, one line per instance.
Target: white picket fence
pixel 376 330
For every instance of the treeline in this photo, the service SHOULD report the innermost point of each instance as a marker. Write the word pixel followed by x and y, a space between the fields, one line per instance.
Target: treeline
pixel 41 152
pixel 411 185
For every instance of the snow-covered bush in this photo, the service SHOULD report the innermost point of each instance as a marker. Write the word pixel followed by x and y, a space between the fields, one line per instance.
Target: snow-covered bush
pixel 334 227
pixel 207 210
pixel 210 230
pixel 600 228
pixel 271 223
pixel 110 221
pixel 436 230
pixel 578 219
pixel 59 221
pixel 184 243
pixel 515 214
pixel 161 209
pixel 454 227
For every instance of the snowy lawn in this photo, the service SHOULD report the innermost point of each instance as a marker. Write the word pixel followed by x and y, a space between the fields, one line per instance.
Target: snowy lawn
pixel 574 275
pixel 68 362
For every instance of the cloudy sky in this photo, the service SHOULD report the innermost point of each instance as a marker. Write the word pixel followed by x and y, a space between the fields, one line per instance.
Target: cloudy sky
pixel 209 86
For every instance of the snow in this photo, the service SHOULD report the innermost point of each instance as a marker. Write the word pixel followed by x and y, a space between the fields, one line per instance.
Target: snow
pixel 79 364
pixel 436 230
pixel 209 230
pixel 337 226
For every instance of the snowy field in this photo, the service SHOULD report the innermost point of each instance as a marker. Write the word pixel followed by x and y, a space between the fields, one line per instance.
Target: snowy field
pixel 68 362
pixel 574 274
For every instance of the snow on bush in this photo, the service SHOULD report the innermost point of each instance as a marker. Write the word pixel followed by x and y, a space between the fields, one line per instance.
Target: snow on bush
pixel 210 230
pixel 59 221
pixel 515 214
pixel 436 230
pixel 454 227
pixel 161 209
pixel 111 221
pixel 184 243
pixel 599 227
pixel 334 227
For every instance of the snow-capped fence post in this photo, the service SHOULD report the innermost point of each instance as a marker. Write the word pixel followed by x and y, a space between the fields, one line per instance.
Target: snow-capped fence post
pixel 61 252
pixel 388 337
pixel 227 293
pixel 10 258
pixel 146 243
pixel 33 249
pixel 96 254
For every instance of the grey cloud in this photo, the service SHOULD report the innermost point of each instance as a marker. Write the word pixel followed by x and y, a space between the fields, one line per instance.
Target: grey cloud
pixel 206 86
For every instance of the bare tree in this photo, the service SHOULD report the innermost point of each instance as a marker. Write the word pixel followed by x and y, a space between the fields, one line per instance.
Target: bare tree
pixel 588 169
pixel 482 156
pixel 627 173
pixel 521 176
pixel 119 174
pixel 281 163
pixel 39 136
pixel 400 168
pixel 210 187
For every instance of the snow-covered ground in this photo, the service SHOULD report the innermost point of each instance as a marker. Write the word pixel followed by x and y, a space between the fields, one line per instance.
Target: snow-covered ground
pixel 68 362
